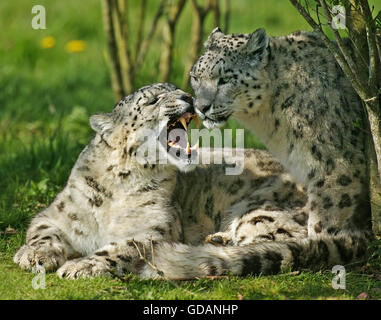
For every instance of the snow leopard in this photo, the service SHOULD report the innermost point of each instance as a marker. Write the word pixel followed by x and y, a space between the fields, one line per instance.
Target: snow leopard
pixel 120 212
pixel 291 93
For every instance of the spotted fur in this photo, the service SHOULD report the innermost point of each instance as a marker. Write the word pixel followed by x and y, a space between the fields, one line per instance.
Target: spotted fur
pixel 290 92
pixel 114 209
pixel 114 206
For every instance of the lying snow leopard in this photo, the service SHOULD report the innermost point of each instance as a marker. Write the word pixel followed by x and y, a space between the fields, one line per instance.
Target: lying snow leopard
pixel 290 92
pixel 117 214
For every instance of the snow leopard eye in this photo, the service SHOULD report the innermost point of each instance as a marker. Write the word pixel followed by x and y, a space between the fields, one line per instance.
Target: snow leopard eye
pixel 194 78
pixel 154 100
pixel 224 80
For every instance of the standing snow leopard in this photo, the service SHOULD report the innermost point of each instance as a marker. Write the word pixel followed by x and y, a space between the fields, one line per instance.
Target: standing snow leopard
pixel 290 92
pixel 116 207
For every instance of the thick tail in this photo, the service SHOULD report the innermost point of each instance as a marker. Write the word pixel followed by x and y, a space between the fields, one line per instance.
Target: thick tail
pixel 179 261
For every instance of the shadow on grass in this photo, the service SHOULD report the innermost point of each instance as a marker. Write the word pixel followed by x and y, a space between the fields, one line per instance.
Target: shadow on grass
pixel 31 175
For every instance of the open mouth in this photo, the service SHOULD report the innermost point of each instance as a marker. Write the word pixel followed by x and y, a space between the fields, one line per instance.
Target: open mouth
pixel 177 135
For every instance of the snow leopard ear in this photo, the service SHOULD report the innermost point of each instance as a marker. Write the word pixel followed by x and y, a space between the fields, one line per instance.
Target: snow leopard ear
pixel 102 123
pixel 214 35
pixel 257 43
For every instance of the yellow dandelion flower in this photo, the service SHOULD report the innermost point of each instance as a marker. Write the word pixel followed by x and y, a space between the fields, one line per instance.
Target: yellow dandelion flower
pixel 48 42
pixel 75 46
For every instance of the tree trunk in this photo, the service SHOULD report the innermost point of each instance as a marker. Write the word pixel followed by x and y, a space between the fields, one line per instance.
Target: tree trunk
pixel 121 38
pixel 216 12
pixel 374 165
pixel 167 51
pixel 140 28
pixel 147 42
pixel 169 39
pixel 116 79
pixel 227 16
pixel 199 14
pixel 356 26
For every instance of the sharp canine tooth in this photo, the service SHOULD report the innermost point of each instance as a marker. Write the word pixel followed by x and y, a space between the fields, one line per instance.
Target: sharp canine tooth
pixel 184 123
pixel 189 151
pixel 173 145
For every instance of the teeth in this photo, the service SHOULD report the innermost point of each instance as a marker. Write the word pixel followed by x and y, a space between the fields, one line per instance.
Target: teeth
pixel 188 149
pixel 174 145
pixel 184 123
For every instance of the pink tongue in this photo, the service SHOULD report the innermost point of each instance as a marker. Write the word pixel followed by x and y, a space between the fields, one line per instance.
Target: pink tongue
pixel 179 136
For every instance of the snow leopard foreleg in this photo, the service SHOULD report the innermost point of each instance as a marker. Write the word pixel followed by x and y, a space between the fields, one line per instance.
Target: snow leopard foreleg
pixel 46 246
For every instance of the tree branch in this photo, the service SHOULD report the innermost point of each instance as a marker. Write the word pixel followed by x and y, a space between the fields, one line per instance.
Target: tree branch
pixel 121 34
pixel 362 91
pixel 216 12
pixel 374 62
pixel 175 11
pixel 113 60
pixel 169 39
pixel 227 16
pixel 344 50
pixel 140 28
pixel 199 14
pixel 147 41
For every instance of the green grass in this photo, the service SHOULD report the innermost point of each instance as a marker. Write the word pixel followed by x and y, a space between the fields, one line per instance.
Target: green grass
pixel 17 284
pixel 46 98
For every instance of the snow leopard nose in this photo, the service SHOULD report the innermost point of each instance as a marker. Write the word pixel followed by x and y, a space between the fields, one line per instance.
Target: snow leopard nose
pixel 203 107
